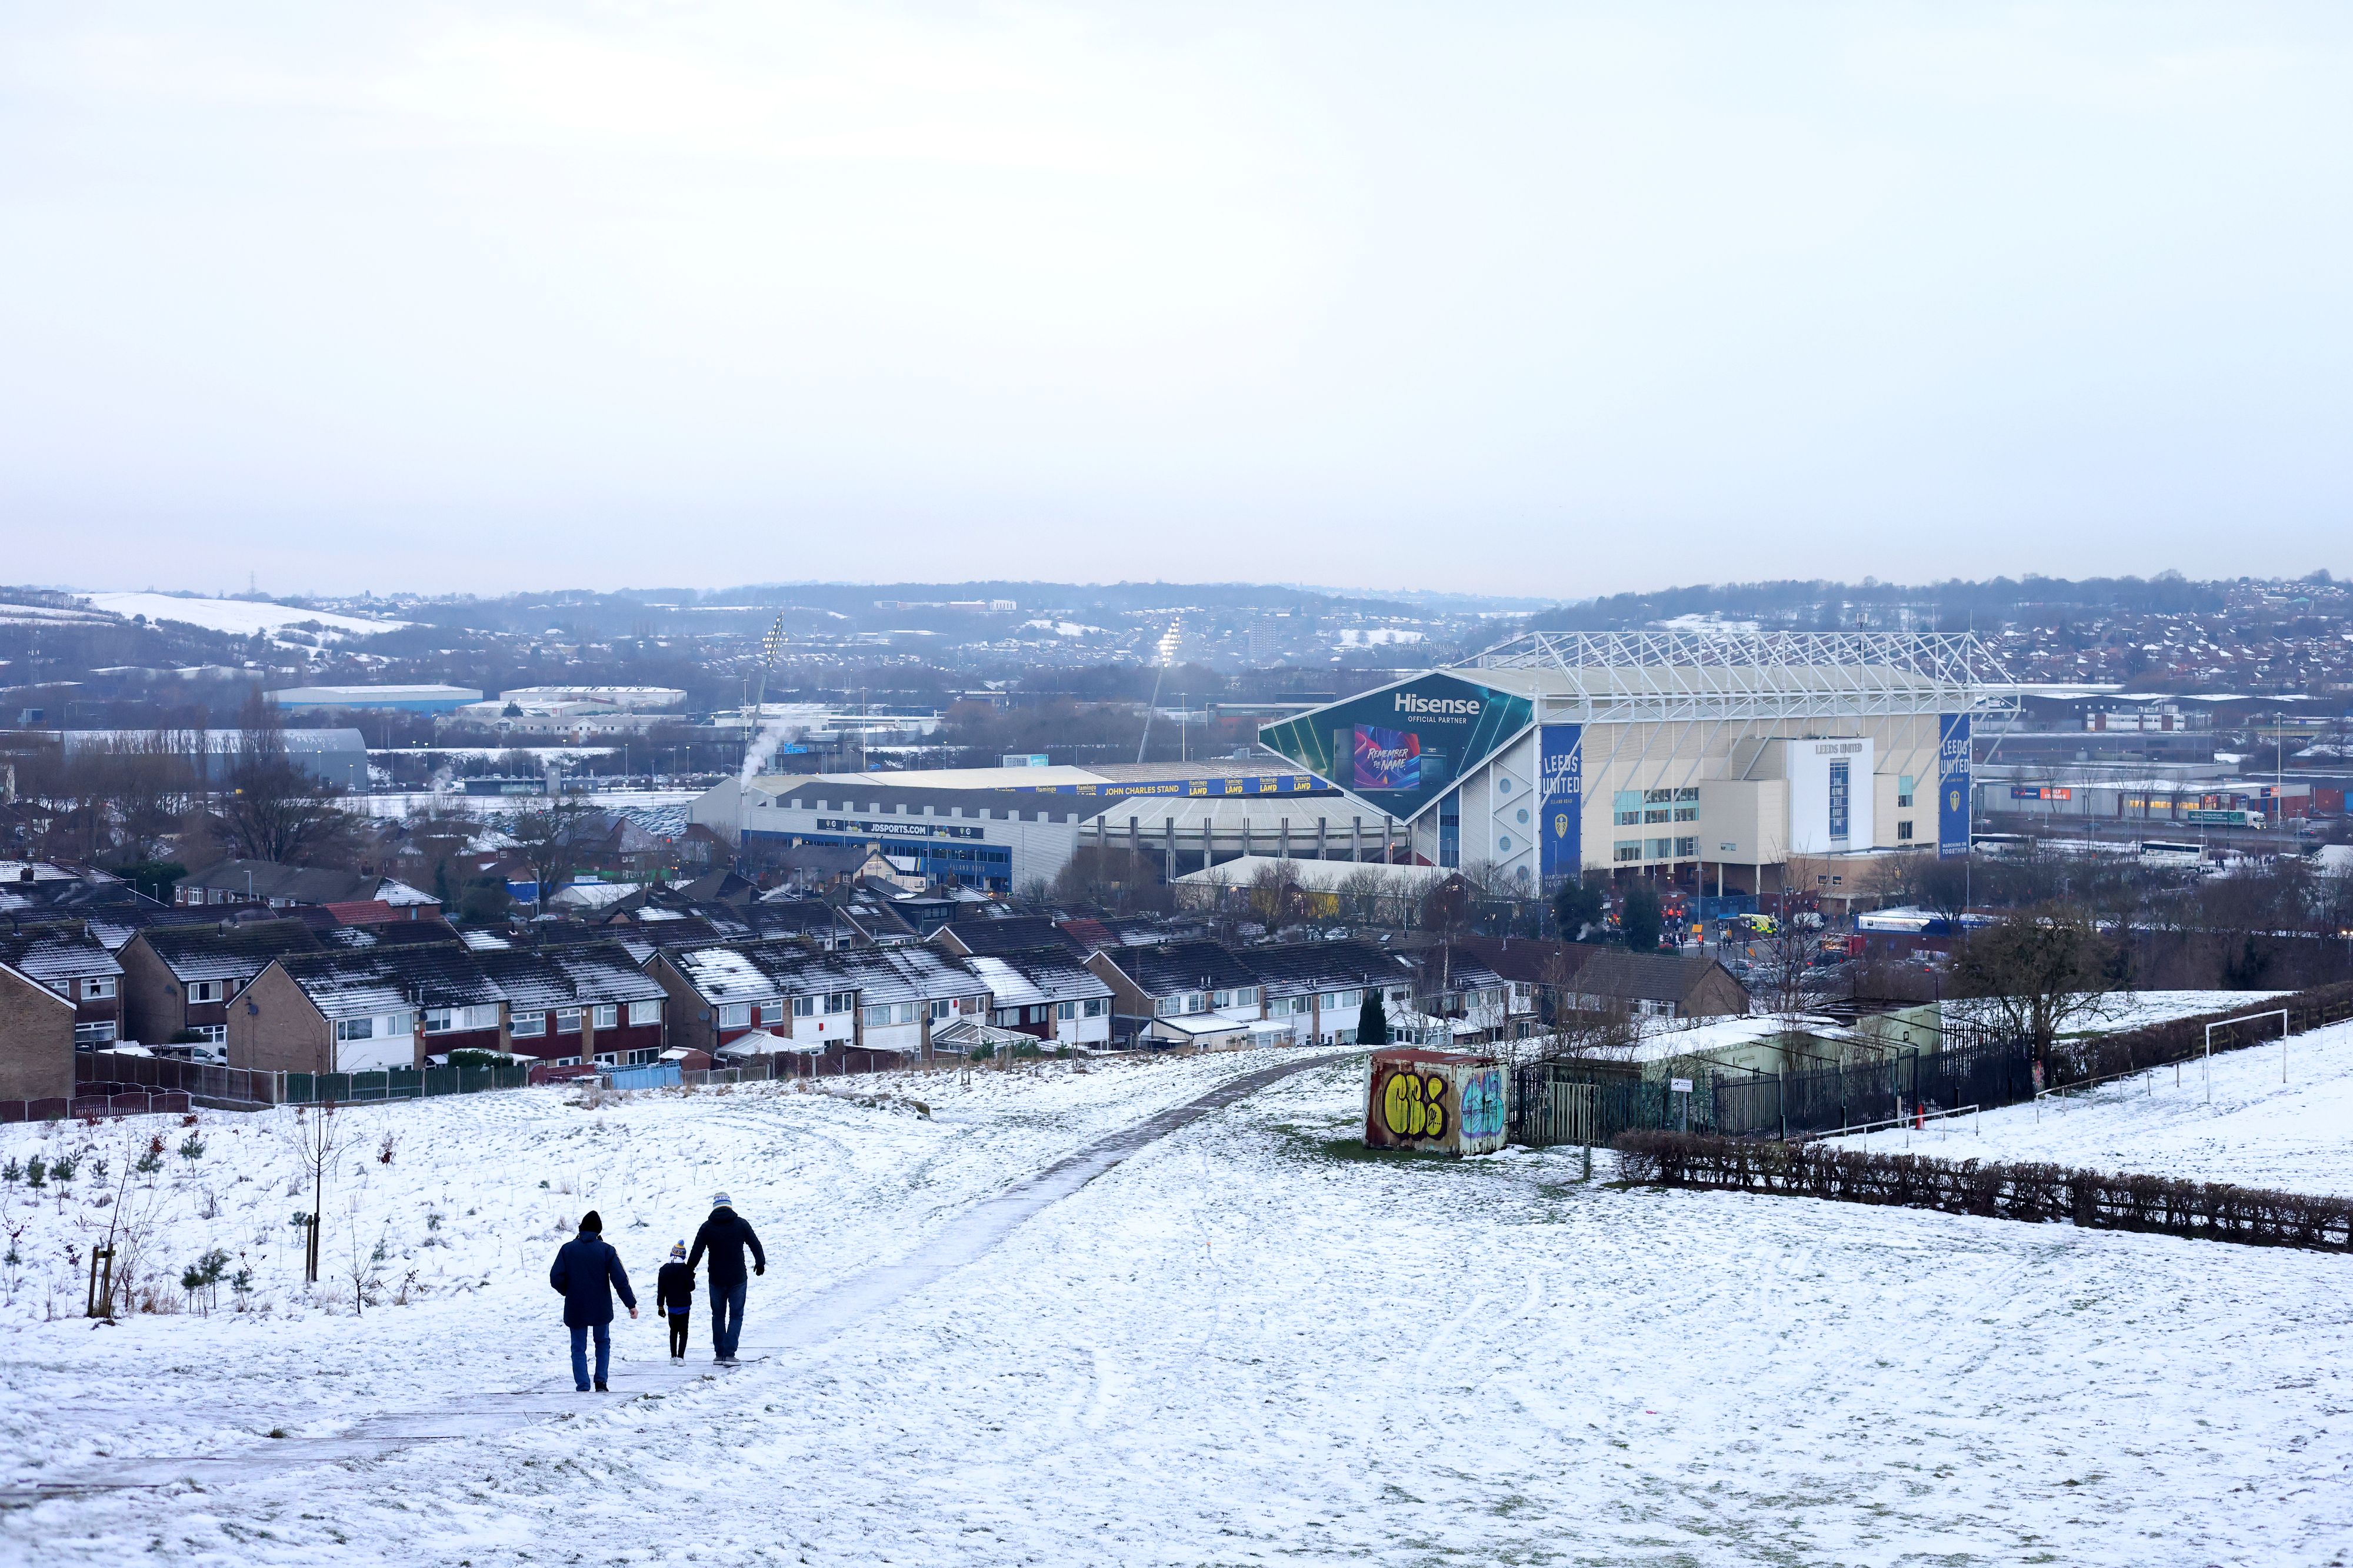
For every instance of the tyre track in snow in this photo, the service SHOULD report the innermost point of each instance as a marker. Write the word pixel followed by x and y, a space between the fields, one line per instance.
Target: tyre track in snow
pixel 812 1321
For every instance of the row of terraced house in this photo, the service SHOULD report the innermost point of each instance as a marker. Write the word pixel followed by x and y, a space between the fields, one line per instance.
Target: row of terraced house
pixel 362 987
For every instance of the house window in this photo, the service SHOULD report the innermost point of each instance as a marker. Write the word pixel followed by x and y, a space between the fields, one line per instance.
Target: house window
pixel 1246 996
pixel 1904 794
pixel 527 1026
pixel 840 1001
pixel 98 988
pixel 942 1008
pixel 804 1006
pixel 437 1020
pixel 642 1013
pixel 1222 999
pixel 608 1016
pixel 878 1016
pixel 1094 1006
pixel 567 1020
pixel 1626 849
pixel 1903 832
pixel 210 1034
pixel 1066 1010
pixel 736 1015
pixel 90 1036
pixel 354 1029
pixel 204 990
pixel 773 1012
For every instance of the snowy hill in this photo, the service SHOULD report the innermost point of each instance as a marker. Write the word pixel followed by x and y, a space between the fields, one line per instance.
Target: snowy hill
pixel 2259 1130
pixel 1249 1342
pixel 242 618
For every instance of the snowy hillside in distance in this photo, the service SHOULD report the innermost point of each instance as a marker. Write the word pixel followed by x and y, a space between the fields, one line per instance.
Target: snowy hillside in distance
pixel 241 617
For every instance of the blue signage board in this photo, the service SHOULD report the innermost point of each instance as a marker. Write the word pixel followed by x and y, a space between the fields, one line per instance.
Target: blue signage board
pixel 1560 791
pixel 1953 781
pixel 1400 748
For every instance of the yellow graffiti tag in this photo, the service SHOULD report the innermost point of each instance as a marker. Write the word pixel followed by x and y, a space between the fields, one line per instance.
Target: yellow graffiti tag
pixel 1415 1106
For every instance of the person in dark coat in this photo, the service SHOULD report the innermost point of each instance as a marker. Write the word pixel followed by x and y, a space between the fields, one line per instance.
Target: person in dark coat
pixel 587 1271
pixel 674 1298
pixel 724 1236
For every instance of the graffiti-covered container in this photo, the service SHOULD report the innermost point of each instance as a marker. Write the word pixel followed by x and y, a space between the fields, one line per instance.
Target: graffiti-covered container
pixel 1447 1102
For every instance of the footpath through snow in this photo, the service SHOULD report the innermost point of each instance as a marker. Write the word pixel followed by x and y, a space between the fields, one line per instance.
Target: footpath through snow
pixel 443 1248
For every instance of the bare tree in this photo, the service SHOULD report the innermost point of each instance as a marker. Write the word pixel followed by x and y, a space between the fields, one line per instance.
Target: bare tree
pixel 271 808
pixel 1276 899
pixel 547 840
pixel 2036 972
pixel 316 1134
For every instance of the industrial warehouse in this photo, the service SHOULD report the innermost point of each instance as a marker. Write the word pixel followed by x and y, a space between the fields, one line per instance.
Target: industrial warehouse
pixel 1701 757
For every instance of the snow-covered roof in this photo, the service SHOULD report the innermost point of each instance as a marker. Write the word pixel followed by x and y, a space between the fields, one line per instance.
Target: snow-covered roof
pixel 234 952
pixel 53 955
pixel 391 979
pixel 1038 975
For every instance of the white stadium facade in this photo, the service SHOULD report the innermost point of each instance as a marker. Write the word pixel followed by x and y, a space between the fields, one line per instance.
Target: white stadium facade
pixel 1709 756
pixel 1708 759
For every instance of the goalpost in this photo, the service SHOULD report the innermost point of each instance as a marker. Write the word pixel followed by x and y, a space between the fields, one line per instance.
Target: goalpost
pixel 2279 1013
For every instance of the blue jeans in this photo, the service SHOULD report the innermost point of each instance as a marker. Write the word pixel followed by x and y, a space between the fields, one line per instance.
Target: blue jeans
pixel 727 1318
pixel 580 1353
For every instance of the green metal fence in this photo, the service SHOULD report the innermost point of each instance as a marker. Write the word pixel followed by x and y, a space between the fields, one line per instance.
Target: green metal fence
pixel 398 1083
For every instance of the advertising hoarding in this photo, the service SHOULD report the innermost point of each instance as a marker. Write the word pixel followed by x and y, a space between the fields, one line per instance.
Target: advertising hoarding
pixel 1560 791
pixel 1953 761
pixel 1401 748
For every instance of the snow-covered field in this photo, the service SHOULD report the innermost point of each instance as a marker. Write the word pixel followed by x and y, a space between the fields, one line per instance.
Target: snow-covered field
pixel 1245 1345
pixel 242 616
pixel 2267 1124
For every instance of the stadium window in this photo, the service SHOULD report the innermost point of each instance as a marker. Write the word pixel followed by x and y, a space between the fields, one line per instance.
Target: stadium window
pixel 1904 794
pixel 1686 849
pixel 1903 832
pixel 1626 849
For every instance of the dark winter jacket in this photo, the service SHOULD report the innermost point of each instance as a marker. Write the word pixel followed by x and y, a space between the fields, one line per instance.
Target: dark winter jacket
pixel 587 1270
pixel 674 1288
pixel 724 1236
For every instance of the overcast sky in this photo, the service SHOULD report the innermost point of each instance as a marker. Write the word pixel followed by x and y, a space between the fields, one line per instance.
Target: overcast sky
pixel 1549 299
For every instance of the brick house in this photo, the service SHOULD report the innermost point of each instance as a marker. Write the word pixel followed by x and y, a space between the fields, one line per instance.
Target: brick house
pixel 578 1005
pixel 36 1047
pixel 365 1011
pixel 180 979
pixel 1178 993
pixel 1047 993
pixel 1316 989
pixel 73 964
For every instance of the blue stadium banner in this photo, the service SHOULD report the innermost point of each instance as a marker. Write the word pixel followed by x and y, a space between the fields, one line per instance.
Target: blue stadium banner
pixel 1400 748
pixel 1560 791
pixel 1953 782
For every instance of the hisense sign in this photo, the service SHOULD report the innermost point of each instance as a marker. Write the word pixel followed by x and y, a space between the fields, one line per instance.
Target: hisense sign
pixel 1401 748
